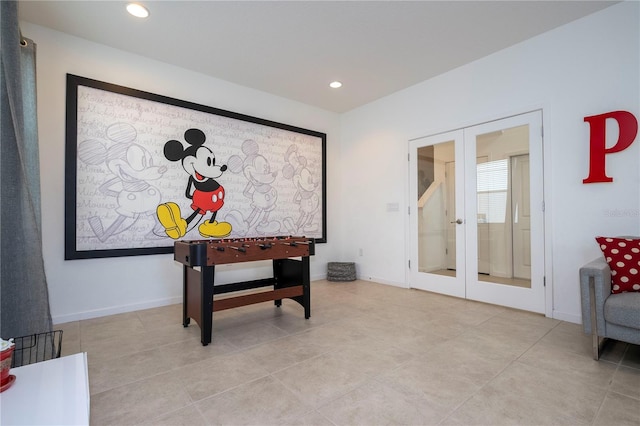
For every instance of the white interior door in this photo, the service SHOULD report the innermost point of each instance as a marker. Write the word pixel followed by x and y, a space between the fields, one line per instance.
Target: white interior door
pixel 496 227
pixel 437 204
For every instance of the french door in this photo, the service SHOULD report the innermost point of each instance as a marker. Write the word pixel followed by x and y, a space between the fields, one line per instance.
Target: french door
pixel 476 213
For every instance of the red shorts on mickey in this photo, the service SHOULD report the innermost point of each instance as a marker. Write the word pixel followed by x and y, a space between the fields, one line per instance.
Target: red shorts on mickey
pixel 208 201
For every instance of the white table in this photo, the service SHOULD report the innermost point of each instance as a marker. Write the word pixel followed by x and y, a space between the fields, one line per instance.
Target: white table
pixel 54 392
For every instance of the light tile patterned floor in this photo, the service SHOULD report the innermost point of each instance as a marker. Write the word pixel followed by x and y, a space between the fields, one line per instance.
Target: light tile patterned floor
pixel 370 355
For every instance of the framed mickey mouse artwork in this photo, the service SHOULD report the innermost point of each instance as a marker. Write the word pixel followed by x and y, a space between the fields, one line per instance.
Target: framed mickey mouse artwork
pixel 143 170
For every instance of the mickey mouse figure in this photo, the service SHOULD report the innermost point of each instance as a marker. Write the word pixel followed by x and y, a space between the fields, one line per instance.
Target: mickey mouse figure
pixel 205 193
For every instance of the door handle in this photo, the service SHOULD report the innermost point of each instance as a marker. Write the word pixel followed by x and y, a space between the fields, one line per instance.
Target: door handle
pixel 458 221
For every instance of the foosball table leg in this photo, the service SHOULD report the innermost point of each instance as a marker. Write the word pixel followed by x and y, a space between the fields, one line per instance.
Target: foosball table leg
pixel 307 303
pixel 207 274
pixel 277 274
pixel 185 317
pixel 306 287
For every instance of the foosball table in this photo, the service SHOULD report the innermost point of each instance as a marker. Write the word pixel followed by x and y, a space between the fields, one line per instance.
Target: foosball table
pixel 290 275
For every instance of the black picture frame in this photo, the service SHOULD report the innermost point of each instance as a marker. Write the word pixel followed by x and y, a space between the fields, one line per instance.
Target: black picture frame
pixel 116 169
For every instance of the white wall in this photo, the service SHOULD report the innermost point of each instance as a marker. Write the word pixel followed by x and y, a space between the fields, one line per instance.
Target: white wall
pixel 89 288
pixel 587 67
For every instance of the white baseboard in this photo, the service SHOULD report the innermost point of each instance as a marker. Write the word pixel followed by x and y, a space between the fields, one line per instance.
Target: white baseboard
pixel 563 316
pixel 97 313
pixel 318 277
pixel 61 319
pixel 383 281
pixel 371 279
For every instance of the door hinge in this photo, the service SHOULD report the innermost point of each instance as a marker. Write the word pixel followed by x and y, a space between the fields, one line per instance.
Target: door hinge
pixel 544 281
pixel 542 131
pixel 543 206
pixel 409 157
pixel 408 210
pixel 409 263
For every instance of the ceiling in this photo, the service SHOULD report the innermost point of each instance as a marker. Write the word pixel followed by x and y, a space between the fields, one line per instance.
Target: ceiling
pixel 294 49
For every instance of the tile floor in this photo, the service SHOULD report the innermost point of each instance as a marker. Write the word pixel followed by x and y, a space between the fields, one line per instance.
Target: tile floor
pixel 371 354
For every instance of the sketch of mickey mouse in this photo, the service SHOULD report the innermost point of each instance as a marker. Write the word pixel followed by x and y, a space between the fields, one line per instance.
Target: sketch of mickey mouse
pixel 206 194
pixel 259 190
pixel 131 166
pixel 296 170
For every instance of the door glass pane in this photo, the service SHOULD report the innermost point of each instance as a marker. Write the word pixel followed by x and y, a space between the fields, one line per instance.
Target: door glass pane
pixel 503 208
pixel 436 209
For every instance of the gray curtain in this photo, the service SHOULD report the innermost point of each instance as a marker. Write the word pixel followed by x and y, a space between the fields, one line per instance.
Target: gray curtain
pixel 24 296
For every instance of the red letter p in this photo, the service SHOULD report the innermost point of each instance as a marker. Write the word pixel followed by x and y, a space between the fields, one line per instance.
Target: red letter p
pixel 628 126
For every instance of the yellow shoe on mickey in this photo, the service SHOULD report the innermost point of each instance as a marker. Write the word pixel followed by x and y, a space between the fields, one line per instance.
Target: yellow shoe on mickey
pixel 169 216
pixel 215 229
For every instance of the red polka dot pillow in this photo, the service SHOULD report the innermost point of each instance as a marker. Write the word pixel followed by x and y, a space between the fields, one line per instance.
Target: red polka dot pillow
pixel 623 257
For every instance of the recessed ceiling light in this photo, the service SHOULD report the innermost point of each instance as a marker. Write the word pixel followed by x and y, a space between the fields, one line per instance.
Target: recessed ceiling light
pixel 335 84
pixel 137 10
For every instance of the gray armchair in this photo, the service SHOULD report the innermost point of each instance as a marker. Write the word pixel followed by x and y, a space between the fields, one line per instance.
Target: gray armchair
pixel 606 315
